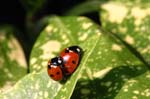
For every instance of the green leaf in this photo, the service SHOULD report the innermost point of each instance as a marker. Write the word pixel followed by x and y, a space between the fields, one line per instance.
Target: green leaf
pixel 105 57
pixel 116 83
pixel 32 6
pixel 12 60
pixel 131 22
pixel 133 1
pixel 34 86
pixel 103 54
pixel 85 7
pixel 60 33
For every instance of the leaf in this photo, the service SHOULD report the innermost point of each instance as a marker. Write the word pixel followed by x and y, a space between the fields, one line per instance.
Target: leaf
pixel 34 86
pixel 60 33
pixel 132 25
pixel 134 1
pixel 12 60
pixel 90 70
pixel 102 55
pixel 32 6
pixel 115 83
pixel 85 7
pixel 61 30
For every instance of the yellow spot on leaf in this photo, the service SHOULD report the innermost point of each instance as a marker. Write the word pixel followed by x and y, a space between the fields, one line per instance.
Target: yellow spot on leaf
pixel 49 28
pixel 89 73
pixel 33 60
pixel 146 50
pixel 147 92
pixel 86 25
pixel 64 89
pixel 134 97
pixel 48 48
pixel 45 94
pixel 136 92
pixel 44 63
pixel 80 18
pixel 131 82
pixel 38 67
pixel 64 37
pixel 110 89
pixel 40 93
pixel 148 76
pixel 85 91
pixel 139 14
pixel 102 73
pixel 137 28
pixel 7 86
pixel 98 33
pixel 125 90
pixel 35 95
pixel 84 83
pixel 49 84
pixel 37 86
pixel 8 73
pixel 16 52
pixel 129 39
pixel 66 41
pixel 108 83
pixel 142 93
pixel 2 36
pixel 116 12
pixel 35 66
pixel 123 29
pixel 99 53
pixel 116 47
pixel 83 37
pixel 113 60
pixel 55 30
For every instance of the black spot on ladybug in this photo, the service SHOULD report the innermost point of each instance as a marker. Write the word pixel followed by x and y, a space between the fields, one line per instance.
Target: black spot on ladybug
pixel 74 62
pixel 58 73
pixel 66 51
pixel 51 75
pixel 49 66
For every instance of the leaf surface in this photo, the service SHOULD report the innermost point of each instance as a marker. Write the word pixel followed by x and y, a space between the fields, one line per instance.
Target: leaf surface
pixel 132 25
pixel 107 66
pixel 12 59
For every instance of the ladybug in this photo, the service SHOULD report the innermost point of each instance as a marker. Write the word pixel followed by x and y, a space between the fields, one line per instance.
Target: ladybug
pixel 54 68
pixel 71 57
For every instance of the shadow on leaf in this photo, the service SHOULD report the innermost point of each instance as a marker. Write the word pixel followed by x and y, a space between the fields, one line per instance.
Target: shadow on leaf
pixel 109 86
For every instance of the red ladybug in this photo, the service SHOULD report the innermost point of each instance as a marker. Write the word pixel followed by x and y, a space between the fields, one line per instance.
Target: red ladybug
pixel 59 68
pixel 54 68
pixel 71 57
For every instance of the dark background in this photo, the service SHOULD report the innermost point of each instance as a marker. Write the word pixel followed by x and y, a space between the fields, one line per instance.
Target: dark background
pixel 12 12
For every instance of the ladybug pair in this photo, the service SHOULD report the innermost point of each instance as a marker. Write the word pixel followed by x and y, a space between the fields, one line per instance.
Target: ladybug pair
pixel 64 65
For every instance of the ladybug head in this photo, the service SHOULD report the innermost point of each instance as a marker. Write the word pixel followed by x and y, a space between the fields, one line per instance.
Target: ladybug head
pixel 54 68
pixel 75 49
pixel 57 61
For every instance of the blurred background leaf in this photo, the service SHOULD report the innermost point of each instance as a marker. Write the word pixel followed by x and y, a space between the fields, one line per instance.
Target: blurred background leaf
pixel 86 7
pixel 13 64
pixel 32 6
pixel 131 22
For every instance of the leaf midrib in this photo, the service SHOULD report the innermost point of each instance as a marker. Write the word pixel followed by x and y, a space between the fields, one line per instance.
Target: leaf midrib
pixel 83 64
